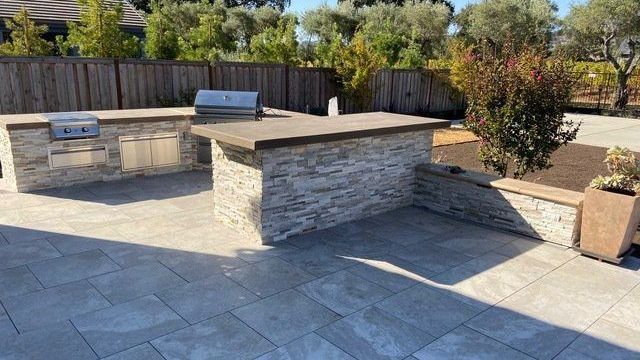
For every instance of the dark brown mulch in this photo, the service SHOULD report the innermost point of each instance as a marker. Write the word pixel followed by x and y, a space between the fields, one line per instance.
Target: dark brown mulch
pixel 574 165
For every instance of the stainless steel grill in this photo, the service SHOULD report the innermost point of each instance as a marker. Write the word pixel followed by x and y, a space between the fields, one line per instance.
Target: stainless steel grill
pixel 223 105
pixel 72 125
pixel 220 106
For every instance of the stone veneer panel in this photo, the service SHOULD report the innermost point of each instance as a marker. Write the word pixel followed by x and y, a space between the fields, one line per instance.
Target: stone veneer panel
pixel 24 153
pixel 270 195
pixel 508 209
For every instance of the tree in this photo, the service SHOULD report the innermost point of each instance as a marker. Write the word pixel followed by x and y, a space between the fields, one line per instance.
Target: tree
pixel 207 41
pixel 276 44
pixel 401 35
pixel 26 37
pixel 515 105
pixel 145 5
pixel 98 33
pixel 609 30
pixel 161 35
pixel 358 63
pixel 363 3
pixel 521 22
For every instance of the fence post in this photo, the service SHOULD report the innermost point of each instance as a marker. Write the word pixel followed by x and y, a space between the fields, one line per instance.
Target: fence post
pixel 210 67
pixel 286 86
pixel 431 75
pixel 391 100
pixel 116 65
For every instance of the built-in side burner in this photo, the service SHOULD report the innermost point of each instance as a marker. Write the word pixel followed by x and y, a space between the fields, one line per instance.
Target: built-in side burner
pixel 72 125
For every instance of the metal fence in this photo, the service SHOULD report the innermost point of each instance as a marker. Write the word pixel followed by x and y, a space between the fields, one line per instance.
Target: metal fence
pixel 597 90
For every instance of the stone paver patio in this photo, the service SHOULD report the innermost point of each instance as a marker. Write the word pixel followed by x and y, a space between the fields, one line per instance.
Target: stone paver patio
pixel 137 270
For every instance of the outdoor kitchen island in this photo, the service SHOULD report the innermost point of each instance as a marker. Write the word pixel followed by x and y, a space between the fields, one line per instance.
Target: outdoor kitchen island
pixel 274 180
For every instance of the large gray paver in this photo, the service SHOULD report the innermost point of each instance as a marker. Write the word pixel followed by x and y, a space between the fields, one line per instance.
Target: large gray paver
pixel 269 277
pixel 431 257
pixel 537 338
pixel 128 254
pixel 223 337
pixel 72 268
pixel 344 292
pixel 140 352
pixel 24 253
pixel 54 342
pixel 432 311
pixel 6 326
pixel 361 244
pixel 120 327
pixel 286 316
pixel 626 311
pixel 136 281
pixel 309 347
pixel 474 243
pixel 206 298
pixel 607 340
pixel 17 281
pixel 36 309
pixel 85 240
pixel 373 334
pixel 464 343
pixel 195 266
pixel 402 234
pixel 391 272
pixel 319 260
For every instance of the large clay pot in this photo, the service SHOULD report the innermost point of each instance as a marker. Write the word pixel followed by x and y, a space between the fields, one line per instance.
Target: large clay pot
pixel 609 223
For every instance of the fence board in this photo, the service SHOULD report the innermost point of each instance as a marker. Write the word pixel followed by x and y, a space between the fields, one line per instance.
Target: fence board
pixel 47 84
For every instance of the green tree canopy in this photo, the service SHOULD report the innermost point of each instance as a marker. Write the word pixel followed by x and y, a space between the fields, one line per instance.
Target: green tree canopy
pixel 98 33
pixel 608 30
pixel 146 5
pixel 522 22
pixel 276 44
pixel 26 37
pixel 363 3
pixel 207 41
pixel 161 35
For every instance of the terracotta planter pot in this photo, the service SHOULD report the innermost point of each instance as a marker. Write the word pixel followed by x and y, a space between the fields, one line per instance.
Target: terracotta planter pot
pixel 609 223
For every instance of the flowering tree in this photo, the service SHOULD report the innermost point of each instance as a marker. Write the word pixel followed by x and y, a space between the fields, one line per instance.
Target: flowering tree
pixel 516 106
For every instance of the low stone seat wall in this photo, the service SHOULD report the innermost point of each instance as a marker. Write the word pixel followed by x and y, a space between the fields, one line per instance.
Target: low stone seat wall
pixel 535 210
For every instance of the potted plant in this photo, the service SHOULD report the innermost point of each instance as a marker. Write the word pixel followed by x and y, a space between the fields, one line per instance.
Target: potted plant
pixel 611 210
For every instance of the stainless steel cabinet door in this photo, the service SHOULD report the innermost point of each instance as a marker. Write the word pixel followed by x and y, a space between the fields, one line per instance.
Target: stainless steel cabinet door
pixel 136 154
pixel 165 151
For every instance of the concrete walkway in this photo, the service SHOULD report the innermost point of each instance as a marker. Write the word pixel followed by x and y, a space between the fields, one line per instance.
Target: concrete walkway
pixel 607 131
pixel 138 270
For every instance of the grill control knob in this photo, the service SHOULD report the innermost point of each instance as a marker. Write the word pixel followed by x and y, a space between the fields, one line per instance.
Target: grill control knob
pixel 85 129
pixel 67 130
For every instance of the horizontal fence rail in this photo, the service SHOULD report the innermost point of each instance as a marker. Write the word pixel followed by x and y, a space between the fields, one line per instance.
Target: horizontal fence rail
pixel 51 84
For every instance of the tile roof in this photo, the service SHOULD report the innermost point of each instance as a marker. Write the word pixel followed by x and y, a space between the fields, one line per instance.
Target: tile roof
pixel 60 11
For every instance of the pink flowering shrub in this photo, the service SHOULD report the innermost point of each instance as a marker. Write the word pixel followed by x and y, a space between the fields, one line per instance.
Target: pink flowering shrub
pixel 515 105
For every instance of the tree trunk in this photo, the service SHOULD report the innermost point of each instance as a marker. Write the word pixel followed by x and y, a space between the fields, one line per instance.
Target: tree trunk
pixel 621 96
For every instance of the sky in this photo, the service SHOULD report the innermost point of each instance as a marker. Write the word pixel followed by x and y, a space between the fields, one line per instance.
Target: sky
pixel 302 5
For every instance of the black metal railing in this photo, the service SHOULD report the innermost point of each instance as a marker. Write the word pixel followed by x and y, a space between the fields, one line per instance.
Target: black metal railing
pixel 597 91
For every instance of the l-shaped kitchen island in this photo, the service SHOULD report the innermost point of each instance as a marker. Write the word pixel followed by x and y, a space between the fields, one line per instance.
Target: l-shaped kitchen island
pixel 274 180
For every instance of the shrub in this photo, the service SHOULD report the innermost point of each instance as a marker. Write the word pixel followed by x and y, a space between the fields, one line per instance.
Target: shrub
pixel 515 106
pixel 625 172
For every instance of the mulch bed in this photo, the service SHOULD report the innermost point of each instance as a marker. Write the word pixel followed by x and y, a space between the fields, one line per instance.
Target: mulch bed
pixel 574 165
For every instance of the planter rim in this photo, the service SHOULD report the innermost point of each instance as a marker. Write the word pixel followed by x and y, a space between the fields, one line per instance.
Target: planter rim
pixel 589 188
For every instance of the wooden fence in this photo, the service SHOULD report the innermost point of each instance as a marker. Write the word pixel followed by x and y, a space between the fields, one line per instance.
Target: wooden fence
pixel 51 84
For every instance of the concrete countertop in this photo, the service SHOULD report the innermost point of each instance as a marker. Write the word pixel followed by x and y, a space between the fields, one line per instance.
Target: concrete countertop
pixel 273 134
pixel 107 117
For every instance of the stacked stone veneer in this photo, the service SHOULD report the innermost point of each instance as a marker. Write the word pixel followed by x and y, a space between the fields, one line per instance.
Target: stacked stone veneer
pixel 273 194
pixel 25 162
pixel 535 210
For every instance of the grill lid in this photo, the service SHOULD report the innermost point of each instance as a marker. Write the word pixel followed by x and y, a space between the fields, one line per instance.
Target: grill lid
pixel 228 104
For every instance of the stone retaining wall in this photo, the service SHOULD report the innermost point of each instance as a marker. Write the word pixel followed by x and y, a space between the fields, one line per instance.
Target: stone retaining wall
pixel 25 162
pixel 535 210
pixel 273 194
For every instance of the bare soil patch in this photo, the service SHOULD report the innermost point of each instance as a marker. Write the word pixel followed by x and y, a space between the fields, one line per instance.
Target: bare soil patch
pixel 574 165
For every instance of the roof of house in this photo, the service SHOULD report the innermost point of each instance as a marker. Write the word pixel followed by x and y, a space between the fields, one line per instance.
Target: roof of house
pixel 61 11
